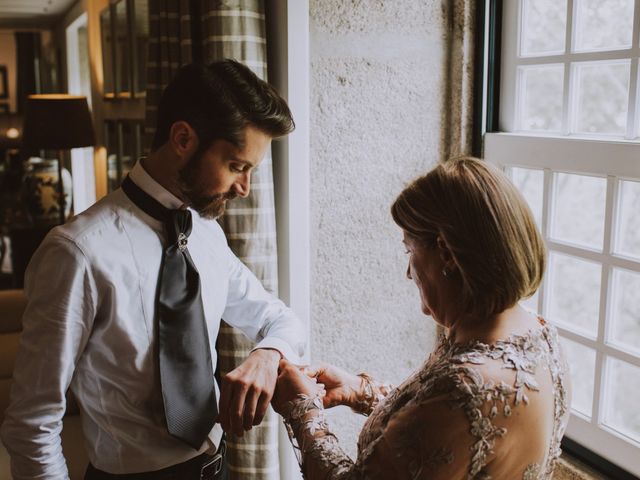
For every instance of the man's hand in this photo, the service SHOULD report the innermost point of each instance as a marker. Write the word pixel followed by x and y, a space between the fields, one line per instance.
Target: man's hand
pixel 246 391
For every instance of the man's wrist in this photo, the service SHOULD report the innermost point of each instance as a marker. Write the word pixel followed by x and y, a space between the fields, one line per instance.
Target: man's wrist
pixel 270 353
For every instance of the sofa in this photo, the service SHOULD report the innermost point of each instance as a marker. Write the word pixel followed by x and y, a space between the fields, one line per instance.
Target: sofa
pixel 12 305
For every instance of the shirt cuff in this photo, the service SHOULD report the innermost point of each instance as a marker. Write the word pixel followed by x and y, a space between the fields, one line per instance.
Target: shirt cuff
pixel 284 348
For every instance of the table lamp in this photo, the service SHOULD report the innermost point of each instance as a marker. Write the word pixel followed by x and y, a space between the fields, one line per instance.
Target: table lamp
pixel 58 122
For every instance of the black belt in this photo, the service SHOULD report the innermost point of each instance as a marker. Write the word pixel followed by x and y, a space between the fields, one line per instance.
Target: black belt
pixel 202 467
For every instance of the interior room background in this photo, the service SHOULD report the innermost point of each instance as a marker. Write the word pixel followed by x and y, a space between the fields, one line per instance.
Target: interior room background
pixel 381 90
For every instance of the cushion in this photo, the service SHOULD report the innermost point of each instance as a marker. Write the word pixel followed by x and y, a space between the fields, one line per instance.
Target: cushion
pixel 12 305
pixel 5 386
pixel 8 351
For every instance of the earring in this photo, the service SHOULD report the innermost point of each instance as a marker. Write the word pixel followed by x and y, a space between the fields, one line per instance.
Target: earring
pixel 445 272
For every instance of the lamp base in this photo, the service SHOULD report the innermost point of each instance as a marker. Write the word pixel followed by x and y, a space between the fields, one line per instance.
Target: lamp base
pixel 42 191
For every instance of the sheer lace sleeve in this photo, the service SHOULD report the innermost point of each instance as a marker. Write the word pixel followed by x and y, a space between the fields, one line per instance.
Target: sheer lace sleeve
pixel 370 395
pixel 420 442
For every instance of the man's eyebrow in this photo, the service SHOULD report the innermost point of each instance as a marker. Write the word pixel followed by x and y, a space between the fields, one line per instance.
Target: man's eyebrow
pixel 240 160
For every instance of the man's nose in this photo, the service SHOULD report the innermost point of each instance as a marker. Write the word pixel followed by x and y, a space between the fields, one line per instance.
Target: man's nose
pixel 243 185
pixel 409 272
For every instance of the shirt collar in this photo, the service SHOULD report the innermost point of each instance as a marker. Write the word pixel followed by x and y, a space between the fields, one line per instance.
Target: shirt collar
pixel 142 179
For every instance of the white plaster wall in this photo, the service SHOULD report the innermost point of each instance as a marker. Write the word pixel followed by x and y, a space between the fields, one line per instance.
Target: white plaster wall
pixel 376 77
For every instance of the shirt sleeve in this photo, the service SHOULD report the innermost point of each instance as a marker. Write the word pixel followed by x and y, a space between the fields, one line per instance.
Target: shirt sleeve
pixel 262 316
pixel 56 326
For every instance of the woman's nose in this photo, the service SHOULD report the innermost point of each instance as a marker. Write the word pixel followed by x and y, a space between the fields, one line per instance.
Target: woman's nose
pixel 409 272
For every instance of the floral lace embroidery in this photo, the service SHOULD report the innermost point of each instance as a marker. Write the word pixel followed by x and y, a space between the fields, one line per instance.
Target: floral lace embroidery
pixel 449 370
pixel 372 394
pixel 471 392
pixel 532 472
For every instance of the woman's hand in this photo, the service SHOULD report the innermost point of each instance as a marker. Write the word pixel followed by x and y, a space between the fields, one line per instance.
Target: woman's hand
pixel 342 388
pixel 291 383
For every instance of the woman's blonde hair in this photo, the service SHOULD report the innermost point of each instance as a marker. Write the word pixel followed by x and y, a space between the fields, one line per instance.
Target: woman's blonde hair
pixel 487 225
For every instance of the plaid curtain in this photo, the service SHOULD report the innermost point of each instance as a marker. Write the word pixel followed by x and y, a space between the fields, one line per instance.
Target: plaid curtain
pixel 184 31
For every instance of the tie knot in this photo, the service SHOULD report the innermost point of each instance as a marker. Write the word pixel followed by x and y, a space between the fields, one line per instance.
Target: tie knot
pixel 179 227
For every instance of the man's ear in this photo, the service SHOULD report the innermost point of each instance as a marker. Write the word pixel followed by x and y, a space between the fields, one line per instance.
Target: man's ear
pixel 183 140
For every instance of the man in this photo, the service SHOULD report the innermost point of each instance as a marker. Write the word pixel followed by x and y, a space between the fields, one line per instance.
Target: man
pixel 125 300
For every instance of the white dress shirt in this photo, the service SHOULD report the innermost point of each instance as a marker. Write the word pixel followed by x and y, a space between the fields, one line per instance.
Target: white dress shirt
pixel 90 326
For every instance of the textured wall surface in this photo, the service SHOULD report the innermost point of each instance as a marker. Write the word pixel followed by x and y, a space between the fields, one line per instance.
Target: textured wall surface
pixel 376 104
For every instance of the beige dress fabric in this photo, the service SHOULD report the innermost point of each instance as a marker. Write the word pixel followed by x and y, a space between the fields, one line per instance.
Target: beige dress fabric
pixel 473 411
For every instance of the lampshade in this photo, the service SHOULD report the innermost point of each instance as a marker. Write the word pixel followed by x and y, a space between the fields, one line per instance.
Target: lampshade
pixel 57 121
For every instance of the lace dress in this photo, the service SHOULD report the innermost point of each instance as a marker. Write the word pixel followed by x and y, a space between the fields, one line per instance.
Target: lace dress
pixel 472 411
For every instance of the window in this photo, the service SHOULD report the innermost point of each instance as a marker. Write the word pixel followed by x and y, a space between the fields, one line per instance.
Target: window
pixel 570 140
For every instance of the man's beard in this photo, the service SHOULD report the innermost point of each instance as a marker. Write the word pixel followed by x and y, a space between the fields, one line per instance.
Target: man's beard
pixel 207 206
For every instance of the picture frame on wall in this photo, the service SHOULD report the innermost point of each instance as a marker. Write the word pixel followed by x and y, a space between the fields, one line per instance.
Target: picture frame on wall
pixel 124 27
pixel 122 45
pixel 108 52
pixel 4 82
pixel 139 24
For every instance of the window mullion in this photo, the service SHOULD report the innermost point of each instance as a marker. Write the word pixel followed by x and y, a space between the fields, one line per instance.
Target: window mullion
pixel 633 122
pixel 567 100
pixel 605 290
pixel 632 118
pixel 632 126
pixel 544 229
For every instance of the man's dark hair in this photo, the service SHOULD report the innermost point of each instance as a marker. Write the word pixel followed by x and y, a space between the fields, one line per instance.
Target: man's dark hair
pixel 219 100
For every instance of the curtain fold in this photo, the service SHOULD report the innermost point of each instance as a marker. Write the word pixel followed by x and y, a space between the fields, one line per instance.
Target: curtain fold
pixel 236 29
pixel 186 30
pixel 459 78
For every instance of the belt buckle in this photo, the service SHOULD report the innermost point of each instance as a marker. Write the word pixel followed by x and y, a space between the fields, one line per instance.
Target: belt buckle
pixel 210 469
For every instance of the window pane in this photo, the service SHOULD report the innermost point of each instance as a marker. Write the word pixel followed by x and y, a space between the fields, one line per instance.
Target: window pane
pixel 622 393
pixel 603 24
pixel 543 26
pixel 579 208
pixel 574 293
pixel 540 103
pixel 582 365
pixel 531 185
pixel 625 310
pixel 601 97
pixel 628 226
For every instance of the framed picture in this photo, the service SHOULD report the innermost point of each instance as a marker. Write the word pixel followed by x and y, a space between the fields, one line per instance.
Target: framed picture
pixel 122 44
pixel 139 10
pixel 4 83
pixel 107 35
pixel 124 28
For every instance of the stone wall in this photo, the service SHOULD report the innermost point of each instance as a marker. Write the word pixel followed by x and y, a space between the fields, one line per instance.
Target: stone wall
pixel 376 78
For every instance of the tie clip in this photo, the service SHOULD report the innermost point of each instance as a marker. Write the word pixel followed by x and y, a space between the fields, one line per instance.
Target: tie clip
pixel 182 242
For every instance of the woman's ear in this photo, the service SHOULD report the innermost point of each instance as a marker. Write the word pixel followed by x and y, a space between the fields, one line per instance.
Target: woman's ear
pixel 183 139
pixel 445 254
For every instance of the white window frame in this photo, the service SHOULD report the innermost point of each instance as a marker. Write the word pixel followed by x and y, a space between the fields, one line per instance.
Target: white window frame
pixel 288 24
pixel 608 157
pixel 82 165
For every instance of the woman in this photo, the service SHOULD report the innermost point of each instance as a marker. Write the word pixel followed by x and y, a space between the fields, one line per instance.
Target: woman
pixel 491 401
